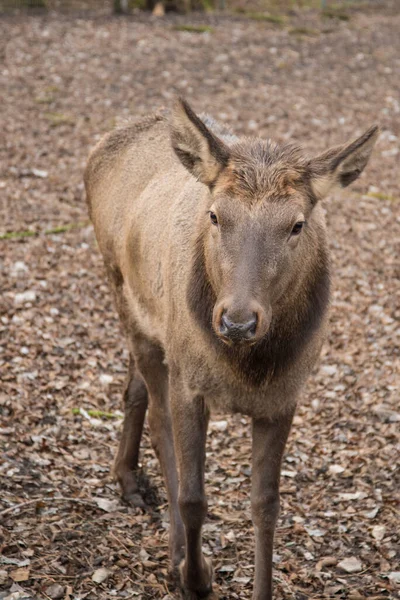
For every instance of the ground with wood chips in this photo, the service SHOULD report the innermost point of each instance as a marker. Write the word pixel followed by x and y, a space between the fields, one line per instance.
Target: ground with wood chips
pixel 65 531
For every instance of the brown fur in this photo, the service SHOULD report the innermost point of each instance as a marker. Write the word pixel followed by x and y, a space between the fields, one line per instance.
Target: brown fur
pixel 261 169
pixel 226 312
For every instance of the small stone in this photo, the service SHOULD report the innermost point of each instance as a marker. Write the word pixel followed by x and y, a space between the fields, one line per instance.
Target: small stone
pixel 105 379
pixel 227 569
pixel 231 536
pixel 394 576
pixel 372 513
pixel 378 532
pixel 143 555
pixel 220 425
pixel 39 173
pixel 329 370
pixel 286 473
pixel 315 404
pixel 276 559
pixel 81 454
pixel 101 575
pixel 107 505
pixel 23 297
pixel 335 469
pixel 350 565
pixel 346 496
pixel 55 591
pixel 243 580
pixel 314 532
pixel 18 268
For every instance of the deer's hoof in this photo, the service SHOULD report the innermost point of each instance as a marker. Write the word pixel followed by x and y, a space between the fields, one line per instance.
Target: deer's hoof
pixel 134 500
pixel 197 586
pixel 174 568
pixel 177 557
pixel 129 487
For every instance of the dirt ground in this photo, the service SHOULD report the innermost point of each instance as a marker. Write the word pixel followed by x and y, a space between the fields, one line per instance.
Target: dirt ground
pixel 65 80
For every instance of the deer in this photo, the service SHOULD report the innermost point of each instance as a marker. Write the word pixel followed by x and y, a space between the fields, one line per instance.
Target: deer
pixel 216 249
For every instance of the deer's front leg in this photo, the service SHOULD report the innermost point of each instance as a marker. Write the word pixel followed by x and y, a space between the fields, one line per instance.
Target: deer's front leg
pixel 269 439
pixel 190 420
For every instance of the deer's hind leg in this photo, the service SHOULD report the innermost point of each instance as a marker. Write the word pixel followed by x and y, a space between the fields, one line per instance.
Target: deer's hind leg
pixel 135 400
pixel 127 459
pixel 150 361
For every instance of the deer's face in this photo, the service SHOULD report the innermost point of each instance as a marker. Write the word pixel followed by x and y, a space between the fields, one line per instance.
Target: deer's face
pixel 262 222
pixel 252 255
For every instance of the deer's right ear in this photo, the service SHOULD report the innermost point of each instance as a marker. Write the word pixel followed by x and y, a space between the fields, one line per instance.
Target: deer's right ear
pixel 200 151
pixel 340 166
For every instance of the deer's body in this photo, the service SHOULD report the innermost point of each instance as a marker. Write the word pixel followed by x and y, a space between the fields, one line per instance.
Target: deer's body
pixel 183 298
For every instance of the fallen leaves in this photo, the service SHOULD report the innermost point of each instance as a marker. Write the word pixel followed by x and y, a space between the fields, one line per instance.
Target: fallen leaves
pixel 14 561
pixel 20 575
pixel 62 358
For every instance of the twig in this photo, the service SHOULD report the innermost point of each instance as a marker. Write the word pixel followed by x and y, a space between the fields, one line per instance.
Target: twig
pixel 111 534
pixel 57 499
pixel 50 576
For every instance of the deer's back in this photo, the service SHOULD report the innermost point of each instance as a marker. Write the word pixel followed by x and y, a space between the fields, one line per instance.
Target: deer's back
pixel 143 205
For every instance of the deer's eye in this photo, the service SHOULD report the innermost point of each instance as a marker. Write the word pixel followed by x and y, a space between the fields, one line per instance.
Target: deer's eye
pixel 213 218
pixel 297 228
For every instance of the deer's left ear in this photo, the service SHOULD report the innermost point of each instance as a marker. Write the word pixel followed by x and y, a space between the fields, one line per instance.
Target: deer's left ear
pixel 340 166
pixel 200 151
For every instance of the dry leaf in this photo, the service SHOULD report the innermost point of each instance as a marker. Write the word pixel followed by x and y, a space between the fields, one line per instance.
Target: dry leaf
pixel 107 505
pixel 3 576
pixel 328 561
pixel 21 574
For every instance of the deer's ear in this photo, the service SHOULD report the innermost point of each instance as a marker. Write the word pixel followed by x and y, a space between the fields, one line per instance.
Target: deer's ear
pixel 199 150
pixel 340 166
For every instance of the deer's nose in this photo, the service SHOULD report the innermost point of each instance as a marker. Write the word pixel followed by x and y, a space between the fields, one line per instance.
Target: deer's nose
pixel 238 331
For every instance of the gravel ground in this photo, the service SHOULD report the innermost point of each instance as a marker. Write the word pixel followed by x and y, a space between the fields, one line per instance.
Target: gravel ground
pixel 65 532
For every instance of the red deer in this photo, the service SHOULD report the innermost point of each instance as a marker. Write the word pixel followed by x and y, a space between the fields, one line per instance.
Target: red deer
pixel 216 250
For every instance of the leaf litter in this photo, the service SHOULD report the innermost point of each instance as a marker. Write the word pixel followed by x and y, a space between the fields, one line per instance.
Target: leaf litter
pixel 63 360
